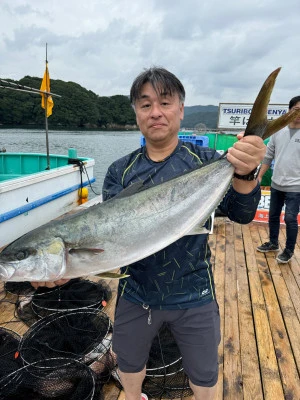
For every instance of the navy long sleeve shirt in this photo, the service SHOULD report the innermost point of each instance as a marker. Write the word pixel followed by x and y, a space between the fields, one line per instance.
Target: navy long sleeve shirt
pixel 180 275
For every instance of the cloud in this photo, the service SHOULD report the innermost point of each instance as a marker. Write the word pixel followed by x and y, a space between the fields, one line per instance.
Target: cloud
pixel 222 51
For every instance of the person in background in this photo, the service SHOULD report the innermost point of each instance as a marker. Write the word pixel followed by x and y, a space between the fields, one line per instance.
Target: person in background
pixel 176 284
pixel 284 149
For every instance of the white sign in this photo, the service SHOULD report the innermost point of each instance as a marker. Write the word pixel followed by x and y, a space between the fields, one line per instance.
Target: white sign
pixel 236 115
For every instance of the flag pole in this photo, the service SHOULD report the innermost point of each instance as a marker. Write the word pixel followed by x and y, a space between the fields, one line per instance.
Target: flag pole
pixel 46 119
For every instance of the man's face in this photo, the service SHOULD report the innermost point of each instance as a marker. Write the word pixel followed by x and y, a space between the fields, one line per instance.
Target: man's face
pixel 158 114
pixel 296 122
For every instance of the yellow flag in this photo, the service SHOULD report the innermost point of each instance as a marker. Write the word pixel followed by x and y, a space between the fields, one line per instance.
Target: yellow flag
pixel 45 86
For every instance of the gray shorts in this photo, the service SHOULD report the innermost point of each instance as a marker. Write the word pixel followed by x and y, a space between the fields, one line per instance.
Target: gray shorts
pixel 196 331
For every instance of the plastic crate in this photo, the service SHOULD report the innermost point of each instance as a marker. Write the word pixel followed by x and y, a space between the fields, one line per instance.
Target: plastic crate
pixel 195 139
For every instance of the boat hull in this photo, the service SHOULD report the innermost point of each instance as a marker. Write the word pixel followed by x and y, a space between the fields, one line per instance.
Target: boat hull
pixel 30 201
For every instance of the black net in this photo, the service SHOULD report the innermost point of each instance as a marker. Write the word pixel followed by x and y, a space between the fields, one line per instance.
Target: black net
pixel 165 377
pixel 74 295
pixel 24 311
pixel 60 379
pixel 10 360
pixel 82 335
pixel 19 288
pixel 106 363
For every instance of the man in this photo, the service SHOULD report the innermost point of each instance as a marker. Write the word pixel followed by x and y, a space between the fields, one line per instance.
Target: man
pixel 284 148
pixel 174 285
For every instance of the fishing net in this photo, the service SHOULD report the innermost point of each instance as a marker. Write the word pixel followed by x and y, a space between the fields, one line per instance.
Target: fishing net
pixel 105 364
pixel 19 288
pixel 59 379
pixel 9 356
pixel 165 377
pixel 83 335
pixel 74 295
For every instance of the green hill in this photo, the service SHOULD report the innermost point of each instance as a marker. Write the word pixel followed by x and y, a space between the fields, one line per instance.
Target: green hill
pixel 77 107
pixel 207 116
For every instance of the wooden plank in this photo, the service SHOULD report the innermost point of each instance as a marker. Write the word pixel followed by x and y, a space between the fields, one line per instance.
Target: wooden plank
pixel 295 268
pixel 232 361
pixel 290 309
pixel 286 363
pixel 219 278
pixel 252 386
pixel 270 376
pixel 286 280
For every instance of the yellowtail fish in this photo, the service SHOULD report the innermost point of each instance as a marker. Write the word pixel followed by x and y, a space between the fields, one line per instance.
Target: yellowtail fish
pixel 136 223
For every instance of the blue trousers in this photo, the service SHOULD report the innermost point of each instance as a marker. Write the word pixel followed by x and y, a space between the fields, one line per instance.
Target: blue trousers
pixel 292 206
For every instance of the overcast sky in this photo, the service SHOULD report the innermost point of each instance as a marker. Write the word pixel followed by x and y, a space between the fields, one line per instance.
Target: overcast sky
pixel 222 51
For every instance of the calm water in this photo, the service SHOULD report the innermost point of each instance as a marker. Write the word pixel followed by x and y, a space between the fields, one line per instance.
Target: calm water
pixel 104 147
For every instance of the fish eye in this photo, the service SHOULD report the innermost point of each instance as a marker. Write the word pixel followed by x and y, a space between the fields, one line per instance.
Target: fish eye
pixel 21 255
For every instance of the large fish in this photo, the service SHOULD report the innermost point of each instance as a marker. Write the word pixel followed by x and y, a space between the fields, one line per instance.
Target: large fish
pixel 133 225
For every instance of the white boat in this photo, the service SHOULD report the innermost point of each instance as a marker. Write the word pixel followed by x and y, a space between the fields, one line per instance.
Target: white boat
pixel 36 188
pixel 31 194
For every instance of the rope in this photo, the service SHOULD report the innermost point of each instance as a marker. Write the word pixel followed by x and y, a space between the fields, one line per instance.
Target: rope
pixel 83 170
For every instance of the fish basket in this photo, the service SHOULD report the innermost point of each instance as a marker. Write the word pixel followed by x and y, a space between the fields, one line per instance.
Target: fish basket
pixel 58 379
pixel 73 295
pixel 83 335
pixel 165 377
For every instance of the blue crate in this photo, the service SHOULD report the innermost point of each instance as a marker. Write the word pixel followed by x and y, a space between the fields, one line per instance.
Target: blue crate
pixel 195 139
pixel 142 140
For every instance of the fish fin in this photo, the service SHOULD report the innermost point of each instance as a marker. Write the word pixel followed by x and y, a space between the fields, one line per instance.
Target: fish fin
pixel 280 122
pixel 258 118
pixel 112 275
pixel 258 124
pixel 86 250
pixel 198 230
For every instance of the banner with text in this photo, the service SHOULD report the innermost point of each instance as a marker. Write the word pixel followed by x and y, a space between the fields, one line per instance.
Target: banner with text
pixel 236 115
pixel 262 213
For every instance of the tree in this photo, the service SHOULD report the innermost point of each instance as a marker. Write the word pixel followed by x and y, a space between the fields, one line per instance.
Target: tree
pixel 77 107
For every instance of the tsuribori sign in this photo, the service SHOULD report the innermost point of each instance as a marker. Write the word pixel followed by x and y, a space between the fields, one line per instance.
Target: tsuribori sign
pixel 236 115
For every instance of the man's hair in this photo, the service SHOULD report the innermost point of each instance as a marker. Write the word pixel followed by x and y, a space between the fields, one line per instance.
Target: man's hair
pixel 162 81
pixel 294 101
